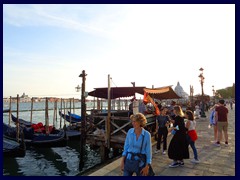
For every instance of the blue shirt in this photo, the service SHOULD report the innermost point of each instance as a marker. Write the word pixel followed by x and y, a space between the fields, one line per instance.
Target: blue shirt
pixel 133 145
pixel 162 120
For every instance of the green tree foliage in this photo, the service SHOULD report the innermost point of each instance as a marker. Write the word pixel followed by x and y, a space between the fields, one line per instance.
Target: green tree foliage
pixel 227 92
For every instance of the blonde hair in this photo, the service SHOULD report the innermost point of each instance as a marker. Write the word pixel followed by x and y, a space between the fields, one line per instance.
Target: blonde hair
pixel 140 118
pixel 178 110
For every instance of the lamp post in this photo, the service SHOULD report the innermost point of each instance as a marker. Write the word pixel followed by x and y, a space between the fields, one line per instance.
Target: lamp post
pixel 77 88
pixel 133 83
pixel 213 94
pixel 191 95
pixel 202 81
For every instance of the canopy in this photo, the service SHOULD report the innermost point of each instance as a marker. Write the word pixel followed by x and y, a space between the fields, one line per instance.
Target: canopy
pixel 162 93
pixel 116 92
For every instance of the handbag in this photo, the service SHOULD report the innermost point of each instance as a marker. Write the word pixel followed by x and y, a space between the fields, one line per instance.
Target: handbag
pixel 143 157
pixel 193 135
pixel 150 171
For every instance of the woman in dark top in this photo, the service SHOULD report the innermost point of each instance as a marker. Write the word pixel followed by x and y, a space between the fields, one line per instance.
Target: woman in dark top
pixel 162 122
pixel 178 147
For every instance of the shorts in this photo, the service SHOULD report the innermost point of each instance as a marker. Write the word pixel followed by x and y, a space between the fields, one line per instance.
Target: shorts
pixel 222 126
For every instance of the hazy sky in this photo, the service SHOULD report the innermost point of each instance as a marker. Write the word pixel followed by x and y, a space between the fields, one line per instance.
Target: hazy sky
pixel 46 47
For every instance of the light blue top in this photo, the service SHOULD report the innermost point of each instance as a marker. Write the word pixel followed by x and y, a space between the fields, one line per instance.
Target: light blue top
pixel 133 145
pixel 212 117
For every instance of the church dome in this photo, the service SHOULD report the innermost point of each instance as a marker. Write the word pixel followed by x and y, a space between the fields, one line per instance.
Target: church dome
pixel 180 92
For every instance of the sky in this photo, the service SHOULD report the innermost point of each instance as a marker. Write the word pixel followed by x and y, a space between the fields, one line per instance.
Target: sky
pixel 46 47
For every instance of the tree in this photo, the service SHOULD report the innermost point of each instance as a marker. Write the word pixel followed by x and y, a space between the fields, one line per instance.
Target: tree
pixel 227 93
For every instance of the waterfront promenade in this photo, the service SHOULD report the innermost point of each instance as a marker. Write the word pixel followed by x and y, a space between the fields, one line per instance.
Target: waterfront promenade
pixel 215 161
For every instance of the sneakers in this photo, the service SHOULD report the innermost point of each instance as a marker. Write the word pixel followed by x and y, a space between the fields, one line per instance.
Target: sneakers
pixel 174 164
pixel 217 144
pixel 196 161
pixel 164 152
pixel 226 144
pixel 181 163
pixel 157 151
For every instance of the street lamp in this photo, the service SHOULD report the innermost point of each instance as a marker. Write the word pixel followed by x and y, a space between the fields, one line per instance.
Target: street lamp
pixel 213 94
pixel 77 88
pixel 202 81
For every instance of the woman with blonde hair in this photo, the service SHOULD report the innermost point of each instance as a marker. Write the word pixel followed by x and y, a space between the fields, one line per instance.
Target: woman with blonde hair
pixel 178 147
pixel 138 141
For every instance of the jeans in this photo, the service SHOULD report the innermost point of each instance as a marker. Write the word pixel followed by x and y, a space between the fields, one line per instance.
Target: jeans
pixel 192 144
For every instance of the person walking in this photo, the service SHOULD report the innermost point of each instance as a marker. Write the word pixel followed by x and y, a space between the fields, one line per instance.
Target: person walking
pixel 213 122
pixel 162 122
pixel 222 122
pixel 191 134
pixel 178 147
pixel 197 111
pixel 138 141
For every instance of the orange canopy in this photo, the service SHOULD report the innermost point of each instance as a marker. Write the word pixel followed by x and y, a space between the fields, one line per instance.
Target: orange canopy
pixel 162 93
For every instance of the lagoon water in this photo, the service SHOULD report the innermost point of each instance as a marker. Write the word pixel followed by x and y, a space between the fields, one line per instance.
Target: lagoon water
pixel 57 161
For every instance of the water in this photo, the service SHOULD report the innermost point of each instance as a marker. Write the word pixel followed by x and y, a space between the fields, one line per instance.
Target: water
pixel 57 161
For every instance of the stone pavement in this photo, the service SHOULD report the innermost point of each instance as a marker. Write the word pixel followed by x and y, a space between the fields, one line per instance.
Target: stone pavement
pixel 215 161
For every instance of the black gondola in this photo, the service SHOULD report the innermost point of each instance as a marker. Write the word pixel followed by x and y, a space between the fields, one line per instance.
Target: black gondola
pixel 71 118
pixel 55 138
pixel 12 148
pixel 71 132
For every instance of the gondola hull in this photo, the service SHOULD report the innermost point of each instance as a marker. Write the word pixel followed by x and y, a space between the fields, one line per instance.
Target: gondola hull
pixel 12 148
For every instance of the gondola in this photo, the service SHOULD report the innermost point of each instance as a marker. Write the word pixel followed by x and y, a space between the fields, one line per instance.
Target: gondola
pixel 72 132
pixel 12 148
pixel 55 138
pixel 71 118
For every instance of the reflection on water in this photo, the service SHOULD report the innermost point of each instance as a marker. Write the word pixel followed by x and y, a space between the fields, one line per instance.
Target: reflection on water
pixel 57 161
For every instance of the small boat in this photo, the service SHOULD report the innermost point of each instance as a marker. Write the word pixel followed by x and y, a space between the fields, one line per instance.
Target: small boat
pixel 12 148
pixel 74 116
pixel 39 127
pixel 71 132
pixel 71 118
pixel 55 138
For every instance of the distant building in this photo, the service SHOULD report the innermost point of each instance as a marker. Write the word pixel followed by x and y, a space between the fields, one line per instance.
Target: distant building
pixel 180 92
pixel 24 98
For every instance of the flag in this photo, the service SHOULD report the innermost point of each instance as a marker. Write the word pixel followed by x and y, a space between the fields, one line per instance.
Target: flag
pixel 148 99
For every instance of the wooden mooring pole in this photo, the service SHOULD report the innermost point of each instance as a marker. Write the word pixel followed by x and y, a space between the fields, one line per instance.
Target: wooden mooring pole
pixel 18 125
pixel 105 148
pixel 83 122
